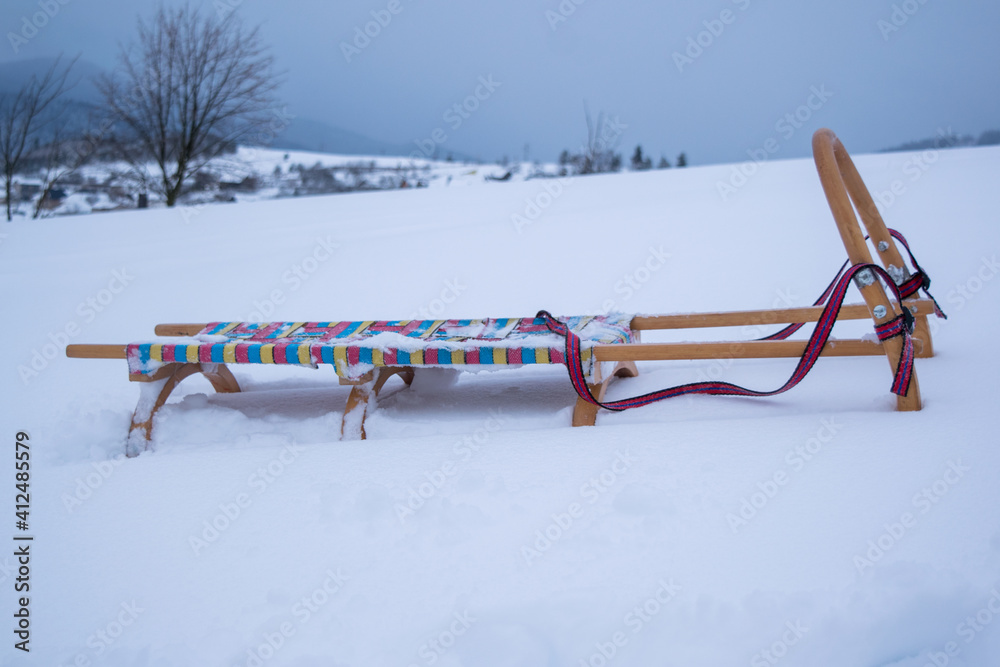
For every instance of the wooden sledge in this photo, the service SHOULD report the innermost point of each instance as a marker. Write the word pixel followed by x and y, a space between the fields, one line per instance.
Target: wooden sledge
pixel 845 192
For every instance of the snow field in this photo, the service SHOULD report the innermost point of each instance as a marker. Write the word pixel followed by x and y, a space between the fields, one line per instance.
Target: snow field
pixel 474 527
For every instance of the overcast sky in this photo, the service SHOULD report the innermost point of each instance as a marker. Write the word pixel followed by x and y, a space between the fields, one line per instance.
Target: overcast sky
pixel 879 72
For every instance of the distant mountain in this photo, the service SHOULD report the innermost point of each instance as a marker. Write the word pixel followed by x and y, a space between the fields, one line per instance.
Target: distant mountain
pixel 300 134
pixel 81 97
pixel 315 135
pixel 15 74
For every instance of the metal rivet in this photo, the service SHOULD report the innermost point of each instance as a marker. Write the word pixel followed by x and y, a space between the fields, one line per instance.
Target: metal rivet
pixel 864 278
pixel 882 246
pixel 879 311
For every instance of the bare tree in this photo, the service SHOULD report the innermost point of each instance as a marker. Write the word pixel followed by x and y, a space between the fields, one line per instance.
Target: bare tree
pixel 24 115
pixel 597 155
pixel 191 87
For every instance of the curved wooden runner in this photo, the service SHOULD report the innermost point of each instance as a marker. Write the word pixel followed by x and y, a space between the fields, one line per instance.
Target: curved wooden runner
pixel 157 389
pixel 842 185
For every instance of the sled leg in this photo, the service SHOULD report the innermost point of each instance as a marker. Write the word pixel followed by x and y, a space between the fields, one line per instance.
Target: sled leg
pixel 843 185
pixel 585 412
pixel 155 391
pixel 221 378
pixel 626 369
pixel 363 397
pixel 352 426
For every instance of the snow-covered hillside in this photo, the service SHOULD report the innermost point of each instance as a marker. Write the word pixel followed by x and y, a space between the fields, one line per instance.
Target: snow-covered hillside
pixel 474 526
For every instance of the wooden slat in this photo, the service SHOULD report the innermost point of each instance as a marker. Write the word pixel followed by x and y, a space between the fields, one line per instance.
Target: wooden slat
pixel 757 349
pixel 83 351
pixel 178 329
pixel 858 311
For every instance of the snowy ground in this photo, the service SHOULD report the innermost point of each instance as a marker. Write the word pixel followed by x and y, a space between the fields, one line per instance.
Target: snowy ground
pixel 474 527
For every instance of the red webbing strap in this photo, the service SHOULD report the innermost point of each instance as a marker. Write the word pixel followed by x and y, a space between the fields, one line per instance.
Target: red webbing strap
pixel 792 328
pixel 899 326
pixel 917 281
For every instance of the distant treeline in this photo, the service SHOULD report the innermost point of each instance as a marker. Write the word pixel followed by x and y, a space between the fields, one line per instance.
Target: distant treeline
pixel 987 138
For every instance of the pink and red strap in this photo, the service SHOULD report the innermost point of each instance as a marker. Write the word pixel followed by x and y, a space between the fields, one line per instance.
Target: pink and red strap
pixel 834 295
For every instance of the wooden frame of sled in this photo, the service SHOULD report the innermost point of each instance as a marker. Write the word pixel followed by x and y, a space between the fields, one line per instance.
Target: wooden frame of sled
pixel 845 191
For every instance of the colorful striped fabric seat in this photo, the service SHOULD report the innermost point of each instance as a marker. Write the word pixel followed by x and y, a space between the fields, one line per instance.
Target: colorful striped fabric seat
pixel 355 348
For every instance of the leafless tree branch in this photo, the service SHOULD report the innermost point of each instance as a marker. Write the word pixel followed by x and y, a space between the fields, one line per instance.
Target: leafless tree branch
pixel 191 87
pixel 24 115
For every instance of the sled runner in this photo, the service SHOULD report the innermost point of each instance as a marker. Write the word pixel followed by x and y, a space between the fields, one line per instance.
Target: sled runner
pixel 595 349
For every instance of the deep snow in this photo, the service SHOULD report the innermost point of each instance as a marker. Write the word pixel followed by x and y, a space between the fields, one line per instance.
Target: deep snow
pixel 474 527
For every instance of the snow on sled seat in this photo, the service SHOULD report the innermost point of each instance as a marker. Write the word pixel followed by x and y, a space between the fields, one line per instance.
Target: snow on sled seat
pixel 594 349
